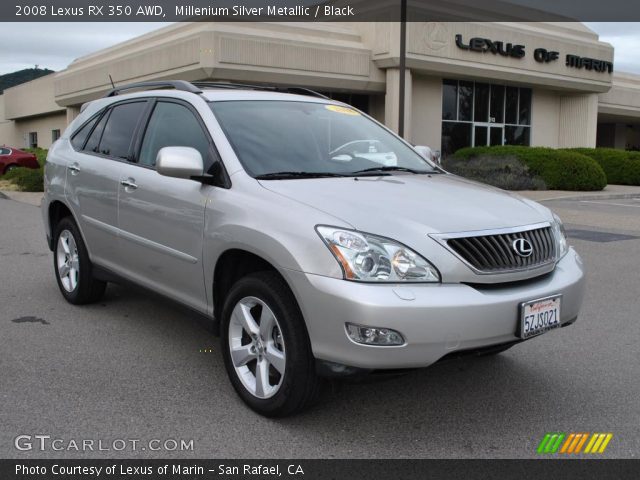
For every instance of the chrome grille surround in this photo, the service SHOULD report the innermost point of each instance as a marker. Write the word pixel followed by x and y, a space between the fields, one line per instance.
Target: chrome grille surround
pixel 491 251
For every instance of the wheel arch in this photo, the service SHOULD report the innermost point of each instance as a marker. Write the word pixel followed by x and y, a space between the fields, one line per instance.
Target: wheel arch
pixel 8 166
pixel 232 265
pixel 57 211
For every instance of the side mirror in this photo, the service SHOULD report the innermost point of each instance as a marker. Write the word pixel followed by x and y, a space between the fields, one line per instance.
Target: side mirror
pixel 179 162
pixel 427 153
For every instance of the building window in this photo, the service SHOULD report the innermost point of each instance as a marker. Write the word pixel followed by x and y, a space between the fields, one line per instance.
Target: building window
pixel 33 139
pixel 55 135
pixel 479 114
pixel 357 100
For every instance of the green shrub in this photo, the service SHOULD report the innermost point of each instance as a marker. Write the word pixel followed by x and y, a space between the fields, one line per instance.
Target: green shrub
pixel 508 173
pixel 558 169
pixel 28 179
pixel 621 167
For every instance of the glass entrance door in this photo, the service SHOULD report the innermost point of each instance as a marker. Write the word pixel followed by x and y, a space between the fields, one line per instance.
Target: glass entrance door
pixel 485 134
pixel 496 135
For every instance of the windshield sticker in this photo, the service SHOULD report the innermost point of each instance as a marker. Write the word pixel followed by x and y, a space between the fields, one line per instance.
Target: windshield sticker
pixel 343 110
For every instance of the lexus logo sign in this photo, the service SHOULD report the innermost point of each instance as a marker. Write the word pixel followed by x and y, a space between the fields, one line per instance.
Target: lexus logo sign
pixel 522 247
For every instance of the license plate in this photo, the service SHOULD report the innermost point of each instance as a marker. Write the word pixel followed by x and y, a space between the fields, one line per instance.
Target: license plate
pixel 539 316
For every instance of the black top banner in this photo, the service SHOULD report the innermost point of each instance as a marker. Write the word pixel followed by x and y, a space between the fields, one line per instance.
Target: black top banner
pixel 314 10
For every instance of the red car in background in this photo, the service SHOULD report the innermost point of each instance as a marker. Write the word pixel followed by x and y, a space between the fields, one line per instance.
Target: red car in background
pixel 11 158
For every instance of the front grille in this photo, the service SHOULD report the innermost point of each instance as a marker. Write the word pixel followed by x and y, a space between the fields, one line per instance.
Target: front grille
pixel 495 253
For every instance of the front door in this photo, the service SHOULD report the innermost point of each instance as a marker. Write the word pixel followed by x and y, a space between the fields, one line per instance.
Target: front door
pixel 161 219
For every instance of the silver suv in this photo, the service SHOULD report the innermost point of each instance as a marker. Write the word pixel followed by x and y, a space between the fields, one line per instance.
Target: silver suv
pixel 318 242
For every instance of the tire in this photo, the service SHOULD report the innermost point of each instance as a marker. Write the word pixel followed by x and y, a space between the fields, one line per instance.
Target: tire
pixel 282 344
pixel 9 168
pixel 75 280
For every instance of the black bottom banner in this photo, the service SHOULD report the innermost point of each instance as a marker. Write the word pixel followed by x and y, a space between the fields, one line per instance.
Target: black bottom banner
pixel 317 469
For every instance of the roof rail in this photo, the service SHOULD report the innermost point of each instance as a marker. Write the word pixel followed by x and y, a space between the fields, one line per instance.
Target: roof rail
pixel 244 86
pixel 181 85
pixel 195 87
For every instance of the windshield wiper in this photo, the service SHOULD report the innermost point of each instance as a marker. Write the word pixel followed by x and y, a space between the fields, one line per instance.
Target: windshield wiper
pixel 392 169
pixel 285 175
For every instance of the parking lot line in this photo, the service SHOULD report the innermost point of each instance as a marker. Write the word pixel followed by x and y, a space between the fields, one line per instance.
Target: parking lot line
pixel 614 204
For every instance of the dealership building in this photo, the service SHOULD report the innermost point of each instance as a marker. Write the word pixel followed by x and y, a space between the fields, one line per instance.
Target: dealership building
pixel 524 83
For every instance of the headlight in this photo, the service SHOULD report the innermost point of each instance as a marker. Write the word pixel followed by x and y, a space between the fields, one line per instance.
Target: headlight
pixel 560 234
pixel 369 258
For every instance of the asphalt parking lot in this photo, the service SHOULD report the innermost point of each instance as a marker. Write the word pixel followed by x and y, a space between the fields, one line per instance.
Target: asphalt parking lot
pixel 134 367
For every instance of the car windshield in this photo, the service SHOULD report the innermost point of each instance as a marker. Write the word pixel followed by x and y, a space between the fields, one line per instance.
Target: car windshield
pixel 288 139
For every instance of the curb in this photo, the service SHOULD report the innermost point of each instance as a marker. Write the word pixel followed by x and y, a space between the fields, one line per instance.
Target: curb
pixel 613 196
pixel 3 196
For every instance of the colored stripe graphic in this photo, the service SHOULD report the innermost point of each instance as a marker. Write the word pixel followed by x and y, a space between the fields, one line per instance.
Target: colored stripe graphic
pixel 581 442
pixel 543 443
pixel 550 443
pixel 572 443
pixel 565 447
pixel 594 437
pixel 607 439
pixel 598 443
pixel 556 445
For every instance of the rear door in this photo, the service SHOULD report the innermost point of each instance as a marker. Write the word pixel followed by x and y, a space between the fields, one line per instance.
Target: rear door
pixel 161 219
pixel 102 145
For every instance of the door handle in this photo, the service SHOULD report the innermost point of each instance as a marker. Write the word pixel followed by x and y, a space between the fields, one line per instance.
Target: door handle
pixel 74 169
pixel 129 183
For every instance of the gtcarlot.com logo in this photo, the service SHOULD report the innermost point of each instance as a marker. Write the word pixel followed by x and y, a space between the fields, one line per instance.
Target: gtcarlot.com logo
pixel 45 443
pixel 573 443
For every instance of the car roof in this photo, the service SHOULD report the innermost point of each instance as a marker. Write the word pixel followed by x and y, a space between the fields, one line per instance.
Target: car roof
pixel 209 95
pixel 218 94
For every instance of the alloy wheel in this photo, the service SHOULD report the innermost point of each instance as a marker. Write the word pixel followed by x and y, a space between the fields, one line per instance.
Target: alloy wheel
pixel 67 261
pixel 257 347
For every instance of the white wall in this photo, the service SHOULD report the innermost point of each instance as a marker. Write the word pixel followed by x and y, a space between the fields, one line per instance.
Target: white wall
pixel 426 112
pixel 42 125
pixel 8 133
pixel 578 121
pixel 545 118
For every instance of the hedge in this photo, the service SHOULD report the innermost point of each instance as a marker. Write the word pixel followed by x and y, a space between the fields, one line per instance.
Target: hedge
pixel 621 167
pixel 508 172
pixel 29 179
pixel 558 169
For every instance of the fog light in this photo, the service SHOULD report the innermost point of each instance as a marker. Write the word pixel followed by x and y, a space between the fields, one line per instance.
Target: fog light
pixel 374 335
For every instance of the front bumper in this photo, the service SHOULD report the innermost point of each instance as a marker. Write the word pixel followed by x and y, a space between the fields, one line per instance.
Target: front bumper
pixel 435 319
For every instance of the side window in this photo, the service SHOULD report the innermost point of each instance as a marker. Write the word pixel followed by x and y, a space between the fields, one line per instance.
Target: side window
pixel 172 125
pixel 4 151
pixel 119 129
pixel 96 135
pixel 78 139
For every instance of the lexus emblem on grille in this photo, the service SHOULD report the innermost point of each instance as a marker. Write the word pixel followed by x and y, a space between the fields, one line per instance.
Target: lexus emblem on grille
pixel 522 247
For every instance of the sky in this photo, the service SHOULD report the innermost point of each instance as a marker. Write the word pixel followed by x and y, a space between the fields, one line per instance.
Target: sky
pixel 56 45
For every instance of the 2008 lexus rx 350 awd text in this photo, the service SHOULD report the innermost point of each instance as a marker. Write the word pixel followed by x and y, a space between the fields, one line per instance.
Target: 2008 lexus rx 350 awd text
pixel 318 242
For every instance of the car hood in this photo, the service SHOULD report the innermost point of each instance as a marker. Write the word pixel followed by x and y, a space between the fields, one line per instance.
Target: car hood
pixel 387 205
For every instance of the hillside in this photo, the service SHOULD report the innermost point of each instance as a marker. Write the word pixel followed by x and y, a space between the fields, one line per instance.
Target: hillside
pixel 21 76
